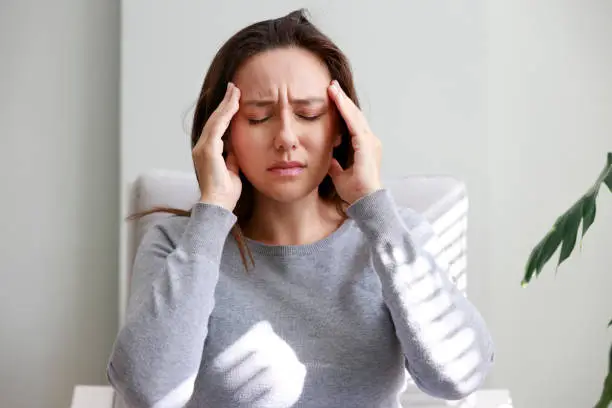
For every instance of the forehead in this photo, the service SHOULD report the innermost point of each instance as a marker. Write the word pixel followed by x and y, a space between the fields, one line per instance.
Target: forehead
pixel 293 70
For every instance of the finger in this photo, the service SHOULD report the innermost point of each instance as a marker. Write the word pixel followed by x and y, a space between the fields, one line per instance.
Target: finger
pixel 335 169
pixel 219 120
pixel 206 129
pixel 222 116
pixel 354 118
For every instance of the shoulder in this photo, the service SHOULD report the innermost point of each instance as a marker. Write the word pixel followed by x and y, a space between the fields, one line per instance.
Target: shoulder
pixel 163 230
pixel 205 225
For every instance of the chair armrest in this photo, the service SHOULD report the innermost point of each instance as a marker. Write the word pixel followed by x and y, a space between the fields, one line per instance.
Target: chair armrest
pixel 485 398
pixel 92 396
pixel 98 396
pixel 493 398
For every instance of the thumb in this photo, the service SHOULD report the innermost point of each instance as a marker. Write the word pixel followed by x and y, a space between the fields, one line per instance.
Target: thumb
pixel 232 163
pixel 335 169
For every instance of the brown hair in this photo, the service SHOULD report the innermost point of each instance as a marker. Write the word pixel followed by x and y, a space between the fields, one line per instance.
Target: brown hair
pixel 291 30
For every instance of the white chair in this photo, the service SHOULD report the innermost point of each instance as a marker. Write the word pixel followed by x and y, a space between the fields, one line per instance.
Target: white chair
pixel 441 199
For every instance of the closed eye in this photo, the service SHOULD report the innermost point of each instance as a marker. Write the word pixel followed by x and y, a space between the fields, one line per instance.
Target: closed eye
pixel 311 118
pixel 257 121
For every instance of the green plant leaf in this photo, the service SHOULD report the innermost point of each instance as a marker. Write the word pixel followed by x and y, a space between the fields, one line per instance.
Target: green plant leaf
pixel 589 209
pixel 571 223
pixel 542 252
pixel 531 264
pixel 608 177
pixel 550 245
pixel 606 394
pixel 565 230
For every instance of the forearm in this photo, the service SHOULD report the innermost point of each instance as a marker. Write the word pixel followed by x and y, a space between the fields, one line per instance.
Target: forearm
pixel 158 351
pixel 446 343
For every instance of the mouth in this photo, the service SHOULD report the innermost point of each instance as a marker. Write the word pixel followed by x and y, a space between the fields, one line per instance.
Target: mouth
pixel 287 168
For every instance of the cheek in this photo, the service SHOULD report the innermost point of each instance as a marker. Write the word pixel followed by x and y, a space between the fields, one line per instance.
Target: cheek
pixel 239 138
pixel 245 145
pixel 323 135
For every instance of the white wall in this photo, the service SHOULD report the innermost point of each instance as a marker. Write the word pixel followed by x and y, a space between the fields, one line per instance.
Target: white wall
pixel 549 126
pixel 59 68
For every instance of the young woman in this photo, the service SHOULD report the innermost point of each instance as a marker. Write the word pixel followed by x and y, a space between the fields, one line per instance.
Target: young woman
pixel 341 295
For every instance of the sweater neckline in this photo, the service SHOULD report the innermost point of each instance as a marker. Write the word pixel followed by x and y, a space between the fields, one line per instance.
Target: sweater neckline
pixel 298 250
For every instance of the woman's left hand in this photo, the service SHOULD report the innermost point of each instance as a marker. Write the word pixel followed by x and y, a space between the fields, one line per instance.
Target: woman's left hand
pixel 363 177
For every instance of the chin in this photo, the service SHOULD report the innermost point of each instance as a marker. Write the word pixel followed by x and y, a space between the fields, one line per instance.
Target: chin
pixel 285 194
pixel 287 191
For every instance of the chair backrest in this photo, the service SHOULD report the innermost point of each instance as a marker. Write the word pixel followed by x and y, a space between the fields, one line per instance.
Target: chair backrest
pixel 441 199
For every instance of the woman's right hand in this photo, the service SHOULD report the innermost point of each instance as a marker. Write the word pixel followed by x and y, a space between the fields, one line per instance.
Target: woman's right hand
pixel 218 178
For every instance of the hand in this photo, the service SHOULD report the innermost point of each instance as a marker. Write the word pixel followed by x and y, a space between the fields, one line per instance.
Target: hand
pixel 218 178
pixel 363 177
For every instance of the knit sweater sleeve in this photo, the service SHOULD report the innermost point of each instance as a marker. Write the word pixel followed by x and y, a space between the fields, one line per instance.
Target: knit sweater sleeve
pixel 447 346
pixel 157 352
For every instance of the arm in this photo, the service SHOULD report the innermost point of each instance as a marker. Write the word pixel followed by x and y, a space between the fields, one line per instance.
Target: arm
pixel 157 353
pixel 445 341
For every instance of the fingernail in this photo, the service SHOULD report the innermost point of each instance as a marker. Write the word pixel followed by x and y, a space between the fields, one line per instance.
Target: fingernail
pixel 335 86
pixel 229 87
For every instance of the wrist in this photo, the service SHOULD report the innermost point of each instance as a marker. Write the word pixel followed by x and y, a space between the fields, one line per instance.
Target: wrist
pixel 359 195
pixel 376 213
pixel 218 201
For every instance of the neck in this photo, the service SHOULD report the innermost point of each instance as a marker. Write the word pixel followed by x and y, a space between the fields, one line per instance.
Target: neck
pixel 297 223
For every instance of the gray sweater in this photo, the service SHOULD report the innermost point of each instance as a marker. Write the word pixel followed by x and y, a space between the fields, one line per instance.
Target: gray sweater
pixel 337 323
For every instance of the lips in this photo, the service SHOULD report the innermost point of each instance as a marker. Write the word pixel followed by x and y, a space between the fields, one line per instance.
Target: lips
pixel 292 168
pixel 286 165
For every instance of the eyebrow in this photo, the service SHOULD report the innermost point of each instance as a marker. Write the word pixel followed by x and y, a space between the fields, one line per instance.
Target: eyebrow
pixel 261 103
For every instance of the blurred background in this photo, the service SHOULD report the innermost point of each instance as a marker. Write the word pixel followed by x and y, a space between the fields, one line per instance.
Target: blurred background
pixel 514 97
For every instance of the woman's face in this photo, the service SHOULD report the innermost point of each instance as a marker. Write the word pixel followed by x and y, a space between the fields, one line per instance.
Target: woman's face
pixel 285 130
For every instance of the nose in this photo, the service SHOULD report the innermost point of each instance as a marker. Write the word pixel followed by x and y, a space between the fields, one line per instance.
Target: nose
pixel 286 138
